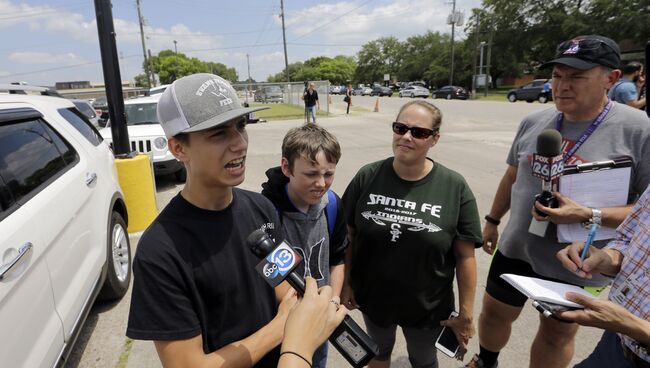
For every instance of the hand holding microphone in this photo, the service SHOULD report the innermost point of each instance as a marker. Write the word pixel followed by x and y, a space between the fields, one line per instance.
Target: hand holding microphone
pixel 278 264
pixel 312 320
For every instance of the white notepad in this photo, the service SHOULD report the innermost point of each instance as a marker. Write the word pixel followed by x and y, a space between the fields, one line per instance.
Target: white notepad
pixel 596 189
pixel 544 290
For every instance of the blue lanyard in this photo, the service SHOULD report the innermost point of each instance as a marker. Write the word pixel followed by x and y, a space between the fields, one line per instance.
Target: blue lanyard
pixel 587 133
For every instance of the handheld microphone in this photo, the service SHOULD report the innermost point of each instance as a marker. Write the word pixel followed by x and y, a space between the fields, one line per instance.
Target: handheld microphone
pixel 279 264
pixel 547 165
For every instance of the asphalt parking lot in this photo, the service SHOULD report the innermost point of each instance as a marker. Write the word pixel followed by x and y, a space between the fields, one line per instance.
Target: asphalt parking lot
pixel 475 139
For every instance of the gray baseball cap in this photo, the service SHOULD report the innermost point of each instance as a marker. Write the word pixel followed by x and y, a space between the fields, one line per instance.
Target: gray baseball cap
pixel 198 102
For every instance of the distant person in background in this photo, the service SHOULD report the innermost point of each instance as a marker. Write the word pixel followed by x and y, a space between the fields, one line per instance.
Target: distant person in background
pixel 626 90
pixel 348 98
pixel 310 96
pixel 641 87
pixel 546 89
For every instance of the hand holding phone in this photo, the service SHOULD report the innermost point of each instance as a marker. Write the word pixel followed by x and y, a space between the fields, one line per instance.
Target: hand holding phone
pixel 447 342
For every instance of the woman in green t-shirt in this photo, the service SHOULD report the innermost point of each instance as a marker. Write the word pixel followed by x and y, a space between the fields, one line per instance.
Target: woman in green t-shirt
pixel 413 223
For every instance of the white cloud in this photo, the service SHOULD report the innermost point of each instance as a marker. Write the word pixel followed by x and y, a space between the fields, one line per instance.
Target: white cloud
pixel 45 58
pixel 401 18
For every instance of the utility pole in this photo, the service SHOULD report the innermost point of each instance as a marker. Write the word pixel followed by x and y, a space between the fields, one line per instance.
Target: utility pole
pixel 284 41
pixel 153 75
pixel 144 48
pixel 489 57
pixel 175 48
pixel 477 30
pixel 453 26
pixel 248 63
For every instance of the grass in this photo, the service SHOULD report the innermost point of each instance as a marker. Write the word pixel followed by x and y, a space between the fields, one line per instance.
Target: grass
pixel 279 111
pixel 124 357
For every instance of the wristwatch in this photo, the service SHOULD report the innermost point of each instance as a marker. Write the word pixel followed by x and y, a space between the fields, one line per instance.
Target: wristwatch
pixel 596 218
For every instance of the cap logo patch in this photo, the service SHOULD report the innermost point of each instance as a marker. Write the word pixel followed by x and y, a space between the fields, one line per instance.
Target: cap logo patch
pixel 217 88
pixel 574 48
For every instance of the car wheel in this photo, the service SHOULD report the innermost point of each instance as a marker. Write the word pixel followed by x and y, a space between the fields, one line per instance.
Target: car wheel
pixel 181 175
pixel 542 99
pixel 433 96
pixel 118 260
pixel 512 97
pixel 449 97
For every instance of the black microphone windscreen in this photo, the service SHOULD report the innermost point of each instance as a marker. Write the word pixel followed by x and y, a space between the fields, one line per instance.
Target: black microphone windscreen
pixel 255 237
pixel 549 143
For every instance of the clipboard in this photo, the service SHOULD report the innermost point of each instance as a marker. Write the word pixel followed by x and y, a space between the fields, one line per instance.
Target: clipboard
pixel 597 184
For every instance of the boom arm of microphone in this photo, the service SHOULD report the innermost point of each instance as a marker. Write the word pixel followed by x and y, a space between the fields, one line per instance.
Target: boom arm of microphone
pixel 348 338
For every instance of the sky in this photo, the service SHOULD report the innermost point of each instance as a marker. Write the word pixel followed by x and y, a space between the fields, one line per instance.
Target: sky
pixel 44 42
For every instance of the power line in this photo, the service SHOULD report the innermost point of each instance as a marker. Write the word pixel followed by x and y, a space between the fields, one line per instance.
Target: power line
pixel 23 14
pixel 62 67
pixel 331 21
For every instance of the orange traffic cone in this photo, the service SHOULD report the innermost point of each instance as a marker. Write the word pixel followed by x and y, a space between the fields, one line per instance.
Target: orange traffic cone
pixel 377 105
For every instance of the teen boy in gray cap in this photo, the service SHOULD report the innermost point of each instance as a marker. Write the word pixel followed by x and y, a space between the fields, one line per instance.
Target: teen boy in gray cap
pixel 196 293
pixel 584 68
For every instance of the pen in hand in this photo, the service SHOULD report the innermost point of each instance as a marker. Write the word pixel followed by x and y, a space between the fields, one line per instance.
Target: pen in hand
pixel 590 240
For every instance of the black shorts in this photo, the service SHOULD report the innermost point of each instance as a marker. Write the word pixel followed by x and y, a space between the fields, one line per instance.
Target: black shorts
pixel 500 289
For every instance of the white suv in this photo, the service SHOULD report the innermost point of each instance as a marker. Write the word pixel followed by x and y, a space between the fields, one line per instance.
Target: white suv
pixel 146 135
pixel 63 232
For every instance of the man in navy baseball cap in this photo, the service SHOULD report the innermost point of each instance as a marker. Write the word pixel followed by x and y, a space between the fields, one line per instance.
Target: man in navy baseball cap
pixel 593 129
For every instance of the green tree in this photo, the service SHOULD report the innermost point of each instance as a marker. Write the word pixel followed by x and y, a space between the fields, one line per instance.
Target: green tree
pixel 379 57
pixel 170 66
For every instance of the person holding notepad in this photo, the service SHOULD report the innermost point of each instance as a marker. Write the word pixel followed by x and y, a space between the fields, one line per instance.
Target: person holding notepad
pixel 593 129
pixel 625 317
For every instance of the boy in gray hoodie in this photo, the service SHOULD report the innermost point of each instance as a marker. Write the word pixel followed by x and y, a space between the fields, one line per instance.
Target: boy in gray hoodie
pixel 310 214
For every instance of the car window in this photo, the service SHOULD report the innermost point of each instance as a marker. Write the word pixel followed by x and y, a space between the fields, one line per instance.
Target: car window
pixel 142 113
pixel 6 200
pixel 32 155
pixel 528 85
pixel 85 108
pixel 79 122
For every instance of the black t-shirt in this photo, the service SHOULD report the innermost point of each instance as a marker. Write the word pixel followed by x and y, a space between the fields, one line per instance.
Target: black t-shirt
pixel 194 274
pixel 310 98
pixel 403 263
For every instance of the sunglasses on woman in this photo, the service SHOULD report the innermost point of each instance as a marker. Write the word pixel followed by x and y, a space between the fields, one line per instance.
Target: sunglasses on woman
pixel 416 132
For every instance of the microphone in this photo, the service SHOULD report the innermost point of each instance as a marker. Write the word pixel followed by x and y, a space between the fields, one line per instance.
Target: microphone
pixel 547 165
pixel 279 264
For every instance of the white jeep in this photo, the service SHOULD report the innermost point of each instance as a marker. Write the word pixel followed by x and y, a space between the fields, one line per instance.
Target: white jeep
pixel 146 135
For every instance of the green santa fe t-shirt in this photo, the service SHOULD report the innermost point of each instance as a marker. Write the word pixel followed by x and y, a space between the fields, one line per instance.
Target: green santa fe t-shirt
pixel 403 262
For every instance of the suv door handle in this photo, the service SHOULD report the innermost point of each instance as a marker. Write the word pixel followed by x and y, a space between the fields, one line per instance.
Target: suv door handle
pixel 90 178
pixel 24 250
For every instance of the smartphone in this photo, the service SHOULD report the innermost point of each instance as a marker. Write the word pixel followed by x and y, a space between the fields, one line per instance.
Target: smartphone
pixel 447 342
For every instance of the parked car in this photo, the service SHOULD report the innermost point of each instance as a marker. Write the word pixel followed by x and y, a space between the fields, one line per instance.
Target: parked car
pixel 531 92
pixel 381 91
pixel 361 91
pixel 146 135
pixel 268 94
pixel 450 92
pixel 87 109
pixel 63 228
pixel 414 91
pixel 335 90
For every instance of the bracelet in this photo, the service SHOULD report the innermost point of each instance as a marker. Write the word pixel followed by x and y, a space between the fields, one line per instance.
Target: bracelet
pixel 492 220
pixel 298 355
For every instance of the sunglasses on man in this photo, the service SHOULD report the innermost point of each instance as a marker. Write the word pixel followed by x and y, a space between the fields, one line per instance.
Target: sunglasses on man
pixel 416 132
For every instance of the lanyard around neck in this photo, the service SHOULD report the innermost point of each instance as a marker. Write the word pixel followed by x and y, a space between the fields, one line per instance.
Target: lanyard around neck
pixel 587 133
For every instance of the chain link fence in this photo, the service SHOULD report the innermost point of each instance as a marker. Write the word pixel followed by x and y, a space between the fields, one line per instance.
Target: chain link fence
pixel 287 93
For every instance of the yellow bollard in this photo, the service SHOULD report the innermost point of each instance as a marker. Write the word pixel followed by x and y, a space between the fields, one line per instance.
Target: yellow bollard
pixel 137 182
